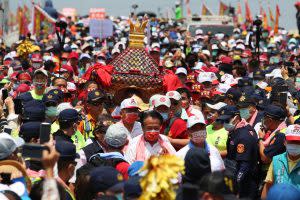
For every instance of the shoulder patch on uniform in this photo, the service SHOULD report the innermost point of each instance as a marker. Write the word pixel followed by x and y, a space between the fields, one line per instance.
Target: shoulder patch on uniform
pixel 240 148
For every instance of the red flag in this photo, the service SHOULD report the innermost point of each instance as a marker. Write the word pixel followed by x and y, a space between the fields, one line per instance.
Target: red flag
pixel 277 19
pixel 224 9
pixel 248 12
pixel 41 17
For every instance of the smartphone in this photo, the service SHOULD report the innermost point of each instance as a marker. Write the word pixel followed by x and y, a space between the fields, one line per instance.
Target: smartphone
pixel 7 130
pixel 33 150
pixel 18 106
pixel 4 94
pixel 45 130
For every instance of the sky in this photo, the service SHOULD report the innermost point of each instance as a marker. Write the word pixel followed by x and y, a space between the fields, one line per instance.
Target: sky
pixel 123 7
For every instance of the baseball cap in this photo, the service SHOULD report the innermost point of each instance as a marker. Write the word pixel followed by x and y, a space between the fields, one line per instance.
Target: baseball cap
pixel 41 71
pixel 129 103
pixel 228 112
pixel 206 77
pixel 216 106
pixel 245 101
pixel 36 58
pixel 193 120
pixel 199 32
pixel 219 184
pixel 173 95
pixel 134 168
pixel 275 112
pixel 197 164
pixel 116 135
pixel 34 110
pixel 68 115
pixel 30 130
pixel 84 55
pixel 7 145
pixel 233 94
pixel 105 178
pixel 161 100
pixel 66 68
pixel 57 94
pixel 293 133
pixel 66 150
pixel 283 191
pixel 24 76
pixel 63 106
pixel 132 188
pixel 95 96
pixel 181 70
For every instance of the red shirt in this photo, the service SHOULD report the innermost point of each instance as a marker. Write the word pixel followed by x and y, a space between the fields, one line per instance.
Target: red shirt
pixel 178 129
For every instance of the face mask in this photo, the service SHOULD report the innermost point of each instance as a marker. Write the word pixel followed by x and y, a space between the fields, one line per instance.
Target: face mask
pixel 229 127
pixel 51 111
pixel 152 136
pixel 298 79
pixel 265 35
pixel 39 85
pixel 274 60
pixel 245 113
pixel 214 53
pixel 64 62
pixel 36 65
pixel 293 149
pixel 110 44
pixel 130 118
pixel 236 36
pixel 198 136
pixel 165 116
pixel 244 60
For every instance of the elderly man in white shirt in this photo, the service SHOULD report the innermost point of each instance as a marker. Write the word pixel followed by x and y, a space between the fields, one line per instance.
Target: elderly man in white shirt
pixel 197 132
pixel 129 116
pixel 151 142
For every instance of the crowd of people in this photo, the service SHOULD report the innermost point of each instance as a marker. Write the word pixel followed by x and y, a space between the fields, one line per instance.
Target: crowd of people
pixel 227 115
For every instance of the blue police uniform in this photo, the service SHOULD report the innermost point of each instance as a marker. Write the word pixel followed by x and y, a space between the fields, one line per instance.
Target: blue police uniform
pixel 68 115
pixel 242 150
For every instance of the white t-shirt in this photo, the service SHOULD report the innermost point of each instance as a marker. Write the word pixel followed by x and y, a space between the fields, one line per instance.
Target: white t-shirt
pixel 130 153
pixel 216 162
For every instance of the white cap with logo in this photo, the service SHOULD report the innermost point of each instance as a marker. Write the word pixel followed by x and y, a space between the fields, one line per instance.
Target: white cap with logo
pixel 174 95
pixel 129 103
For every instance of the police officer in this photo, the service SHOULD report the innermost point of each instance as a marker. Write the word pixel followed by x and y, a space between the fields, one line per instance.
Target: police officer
pixel 248 111
pixel 94 107
pixel 51 100
pixel 242 150
pixel 68 120
pixel 271 139
pixel 232 96
pixel 66 165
